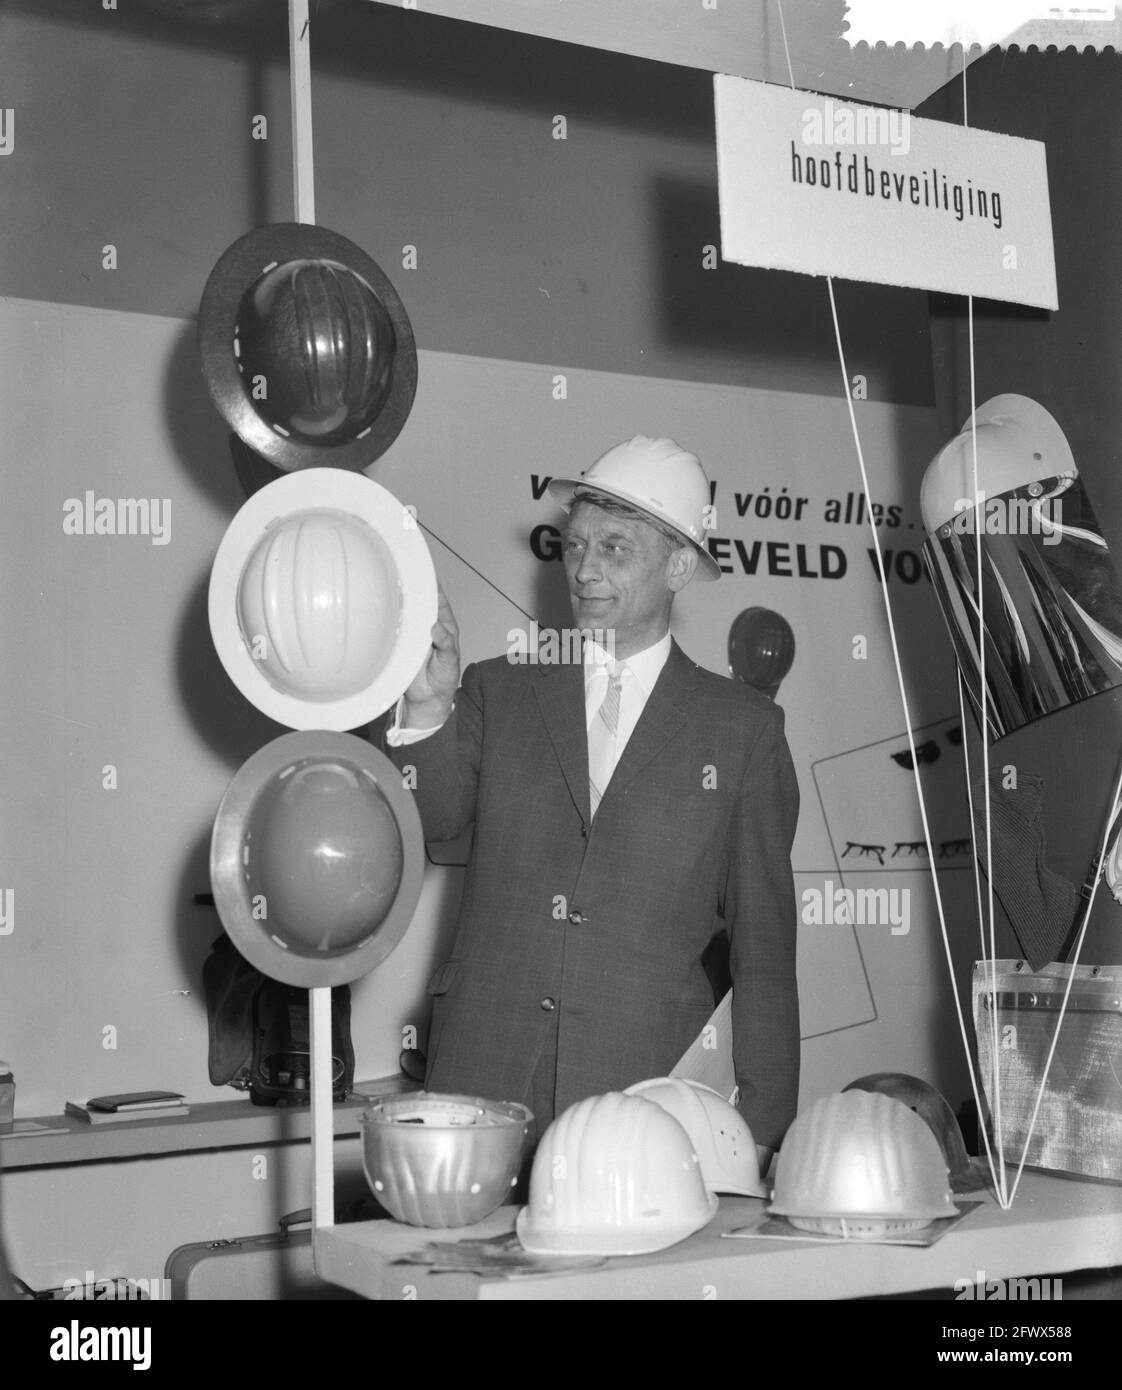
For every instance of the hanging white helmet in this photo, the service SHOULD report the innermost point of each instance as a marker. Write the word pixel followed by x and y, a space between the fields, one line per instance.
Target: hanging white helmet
pixel 322 599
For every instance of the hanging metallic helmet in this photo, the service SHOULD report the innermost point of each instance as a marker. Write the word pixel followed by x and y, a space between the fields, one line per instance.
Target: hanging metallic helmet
pixel 316 859
pixel 307 350
pixel 1050 592
pixel 1051 597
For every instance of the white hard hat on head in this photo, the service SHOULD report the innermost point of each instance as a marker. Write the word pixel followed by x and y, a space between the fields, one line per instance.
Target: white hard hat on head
pixel 655 476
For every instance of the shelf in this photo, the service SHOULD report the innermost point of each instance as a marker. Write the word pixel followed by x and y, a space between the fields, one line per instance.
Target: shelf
pixel 221 1124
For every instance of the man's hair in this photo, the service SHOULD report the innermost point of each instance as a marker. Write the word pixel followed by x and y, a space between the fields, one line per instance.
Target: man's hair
pixel 671 539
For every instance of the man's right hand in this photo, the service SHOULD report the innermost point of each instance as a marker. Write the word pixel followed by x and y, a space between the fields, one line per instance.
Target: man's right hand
pixel 429 698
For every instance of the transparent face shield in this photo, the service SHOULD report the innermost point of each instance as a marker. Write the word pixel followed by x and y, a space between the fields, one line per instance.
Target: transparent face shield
pixel 1051 600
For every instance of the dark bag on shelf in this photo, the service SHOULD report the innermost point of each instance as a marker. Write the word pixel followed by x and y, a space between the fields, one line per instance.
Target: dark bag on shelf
pixel 259 1032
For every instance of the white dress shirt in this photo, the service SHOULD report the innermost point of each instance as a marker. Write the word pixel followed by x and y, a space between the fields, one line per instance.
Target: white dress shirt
pixel 642 671
pixel 397 737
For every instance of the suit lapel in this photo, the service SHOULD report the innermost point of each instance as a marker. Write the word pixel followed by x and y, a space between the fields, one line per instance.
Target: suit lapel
pixel 663 717
pixel 560 695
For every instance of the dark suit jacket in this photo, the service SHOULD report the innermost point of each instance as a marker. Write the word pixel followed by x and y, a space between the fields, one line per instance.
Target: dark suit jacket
pixel 609 918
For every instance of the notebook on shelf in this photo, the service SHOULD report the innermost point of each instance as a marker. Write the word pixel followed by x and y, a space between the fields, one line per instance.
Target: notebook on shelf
pixel 130 1105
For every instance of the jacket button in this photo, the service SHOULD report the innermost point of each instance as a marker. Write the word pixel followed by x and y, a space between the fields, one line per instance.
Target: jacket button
pixel 576 918
pixel 548 1005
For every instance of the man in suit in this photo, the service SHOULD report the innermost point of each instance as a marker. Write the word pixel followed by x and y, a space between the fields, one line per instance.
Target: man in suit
pixel 625 806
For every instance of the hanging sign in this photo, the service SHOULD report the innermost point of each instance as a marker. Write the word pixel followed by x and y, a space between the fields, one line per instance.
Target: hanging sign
pixel 828 187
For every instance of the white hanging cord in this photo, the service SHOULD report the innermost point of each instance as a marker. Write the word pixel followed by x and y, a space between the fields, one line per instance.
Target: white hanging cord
pixel 983 1129
pixel 970 803
pixel 786 50
pixel 300 84
pixel 990 956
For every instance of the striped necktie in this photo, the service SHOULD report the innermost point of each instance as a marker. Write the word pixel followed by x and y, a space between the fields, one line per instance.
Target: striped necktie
pixel 602 736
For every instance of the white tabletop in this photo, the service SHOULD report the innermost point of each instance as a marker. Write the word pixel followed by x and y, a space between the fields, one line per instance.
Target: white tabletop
pixel 1056 1224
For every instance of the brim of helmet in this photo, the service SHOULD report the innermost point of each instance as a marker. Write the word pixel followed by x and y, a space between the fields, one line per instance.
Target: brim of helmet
pixel 717 1183
pixel 562 490
pixel 336 489
pixel 434 1106
pixel 605 1242
pixel 239 266
pixel 920 1212
pixel 239 915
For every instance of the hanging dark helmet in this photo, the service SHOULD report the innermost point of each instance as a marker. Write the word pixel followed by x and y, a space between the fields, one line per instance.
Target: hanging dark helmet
pixel 307 350
pixel 761 649
pixel 321 342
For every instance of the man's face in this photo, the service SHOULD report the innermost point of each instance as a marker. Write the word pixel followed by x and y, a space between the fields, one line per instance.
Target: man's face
pixel 621 576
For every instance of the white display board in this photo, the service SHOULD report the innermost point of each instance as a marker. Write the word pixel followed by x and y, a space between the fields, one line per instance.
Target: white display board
pixel 830 187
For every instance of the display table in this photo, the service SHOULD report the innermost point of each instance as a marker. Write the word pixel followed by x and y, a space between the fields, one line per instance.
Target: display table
pixel 1056 1224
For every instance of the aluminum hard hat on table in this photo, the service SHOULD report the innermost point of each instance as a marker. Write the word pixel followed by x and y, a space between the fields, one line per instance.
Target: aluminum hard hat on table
pixel 442 1161
pixel 306 348
pixel 655 476
pixel 929 1103
pixel 316 859
pixel 322 599
pixel 861 1165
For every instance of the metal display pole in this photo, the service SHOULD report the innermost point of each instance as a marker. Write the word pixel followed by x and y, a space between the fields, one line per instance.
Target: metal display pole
pixel 319 999
pixel 323 1123
pixel 300 85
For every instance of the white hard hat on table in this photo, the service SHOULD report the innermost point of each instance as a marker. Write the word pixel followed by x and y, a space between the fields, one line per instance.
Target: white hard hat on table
pixel 614 1175
pixel 718 1132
